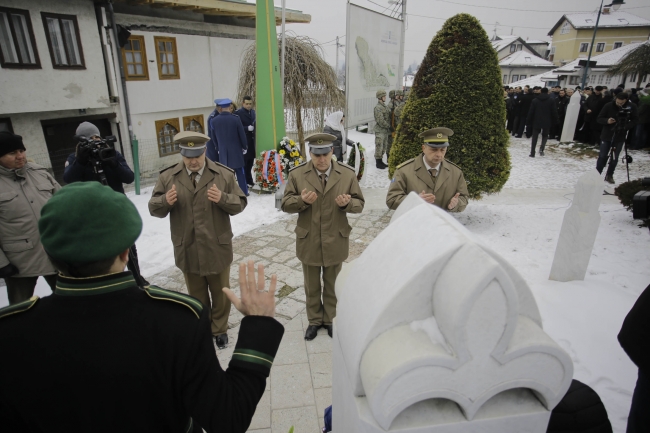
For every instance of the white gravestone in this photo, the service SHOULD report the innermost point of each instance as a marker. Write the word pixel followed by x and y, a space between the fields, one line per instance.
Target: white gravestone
pixel 571 119
pixel 437 333
pixel 579 230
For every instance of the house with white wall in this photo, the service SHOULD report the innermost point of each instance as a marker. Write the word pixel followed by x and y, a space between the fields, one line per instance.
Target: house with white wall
pixel 510 44
pixel 177 57
pixel 521 65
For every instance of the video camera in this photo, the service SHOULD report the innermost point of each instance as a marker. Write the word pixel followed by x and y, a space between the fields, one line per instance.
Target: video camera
pixel 623 117
pixel 97 150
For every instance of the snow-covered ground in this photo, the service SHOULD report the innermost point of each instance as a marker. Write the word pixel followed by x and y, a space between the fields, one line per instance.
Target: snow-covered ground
pixel 522 223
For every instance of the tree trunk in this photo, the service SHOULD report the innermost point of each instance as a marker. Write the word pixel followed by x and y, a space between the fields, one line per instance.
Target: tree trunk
pixel 301 133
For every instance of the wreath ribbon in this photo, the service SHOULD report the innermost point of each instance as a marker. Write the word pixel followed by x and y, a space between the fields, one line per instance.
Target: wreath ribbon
pixel 278 169
pixel 265 165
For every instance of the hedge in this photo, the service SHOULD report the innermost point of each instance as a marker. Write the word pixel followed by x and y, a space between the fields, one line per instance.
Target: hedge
pixel 459 86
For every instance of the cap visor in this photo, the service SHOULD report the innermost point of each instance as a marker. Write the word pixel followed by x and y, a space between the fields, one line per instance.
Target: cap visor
pixel 321 150
pixel 192 153
pixel 437 145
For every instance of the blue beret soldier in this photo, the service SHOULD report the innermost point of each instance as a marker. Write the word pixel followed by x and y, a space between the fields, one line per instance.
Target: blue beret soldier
pixel 113 357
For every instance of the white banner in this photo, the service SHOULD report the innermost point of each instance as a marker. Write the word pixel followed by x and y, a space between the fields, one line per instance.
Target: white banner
pixel 372 61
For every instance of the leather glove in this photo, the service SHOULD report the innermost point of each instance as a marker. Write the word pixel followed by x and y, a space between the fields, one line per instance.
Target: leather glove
pixel 83 154
pixel 251 127
pixel 8 271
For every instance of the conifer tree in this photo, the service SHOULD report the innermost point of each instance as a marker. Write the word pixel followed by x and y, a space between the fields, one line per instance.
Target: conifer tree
pixel 458 86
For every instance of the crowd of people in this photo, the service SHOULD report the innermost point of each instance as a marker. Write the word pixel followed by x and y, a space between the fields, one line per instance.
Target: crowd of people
pixel 540 110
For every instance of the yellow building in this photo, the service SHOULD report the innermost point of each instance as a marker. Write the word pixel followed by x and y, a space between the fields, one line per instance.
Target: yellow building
pixel 572 34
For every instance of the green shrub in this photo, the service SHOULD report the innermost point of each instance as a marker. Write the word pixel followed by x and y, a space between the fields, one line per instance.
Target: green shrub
pixel 625 192
pixel 458 86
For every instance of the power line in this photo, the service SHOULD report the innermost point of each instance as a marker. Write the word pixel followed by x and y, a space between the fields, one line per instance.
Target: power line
pixel 482 23
pixel 520 9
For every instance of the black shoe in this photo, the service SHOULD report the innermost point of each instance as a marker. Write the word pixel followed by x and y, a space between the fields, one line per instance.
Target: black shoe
pixel 517 136
pixel 330 329
pixel 609 179
pixel 222 340
pixel 311 332
pixel 541 153
pixel 380 164
pixel 532 155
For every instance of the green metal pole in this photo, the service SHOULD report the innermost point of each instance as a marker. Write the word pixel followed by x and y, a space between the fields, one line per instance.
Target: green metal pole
pixel 136 164
pixel 268 86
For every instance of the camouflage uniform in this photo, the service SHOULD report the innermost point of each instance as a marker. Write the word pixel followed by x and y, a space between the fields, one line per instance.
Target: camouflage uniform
pixel 392 105
pixel 382 127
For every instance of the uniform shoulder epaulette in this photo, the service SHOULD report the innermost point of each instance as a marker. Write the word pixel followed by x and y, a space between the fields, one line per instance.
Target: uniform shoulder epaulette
pixel 224 166
pixel 300 165
pixel 405 162
pixel 342 164
pixel 155 292
pixel 167 168
pixel 446 160
pixel 20 307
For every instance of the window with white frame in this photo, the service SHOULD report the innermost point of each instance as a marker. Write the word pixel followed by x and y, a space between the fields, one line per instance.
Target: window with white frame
pixel 600 78
pixel 600 47
pixel 62 34
pixel 608 80
pixel 519 47
pixel 513 48
pixel 618 45
pixel 633 77
pixel 584 47
pixel 514 78
pixel 522 77
pixel 566 28
pixel 17 46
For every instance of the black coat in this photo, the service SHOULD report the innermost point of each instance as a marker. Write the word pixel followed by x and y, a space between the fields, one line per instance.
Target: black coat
pixel 580 410
pixel 102 355
pixel 514 105
pixel 248 118
pixel 594 103
pixel 117 172
pixel 635 333
pixel 524 105
pixel 562 103
pixel 337 148
pixel 542 113
pixel 611 110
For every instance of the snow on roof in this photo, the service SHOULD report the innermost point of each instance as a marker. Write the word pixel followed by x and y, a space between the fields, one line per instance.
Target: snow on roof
pixel 523 58
pixel 604 60
pixel 536 42
pixel 503 41
pixel 535 80
pixel 587 20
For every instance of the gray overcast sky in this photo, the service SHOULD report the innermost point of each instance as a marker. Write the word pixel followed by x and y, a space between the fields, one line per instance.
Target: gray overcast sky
pixel 328 19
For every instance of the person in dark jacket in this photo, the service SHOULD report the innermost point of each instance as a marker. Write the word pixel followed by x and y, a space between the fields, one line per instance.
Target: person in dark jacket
pixel 561 102
pixel 78 167
pixel 118 358
pixel 580 411
pixel 613 133
pixel 230 138
pixel 634 338
pixel 211 148
pixel 247 116
pixel 524 107
pixel 594 103
pixel 335 125
pixel 513 113
pixel 543 117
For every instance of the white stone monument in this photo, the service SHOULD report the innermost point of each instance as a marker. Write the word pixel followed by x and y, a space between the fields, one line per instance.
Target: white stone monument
pixel 437 333
pixel 571 118
pixel 579 230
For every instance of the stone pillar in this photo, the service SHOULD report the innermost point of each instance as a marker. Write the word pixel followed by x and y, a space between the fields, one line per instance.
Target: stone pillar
pixel 435 332
pixel 579 230
pixel 571 119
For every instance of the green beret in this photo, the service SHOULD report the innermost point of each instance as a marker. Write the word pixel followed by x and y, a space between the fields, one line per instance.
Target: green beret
pixel 86 222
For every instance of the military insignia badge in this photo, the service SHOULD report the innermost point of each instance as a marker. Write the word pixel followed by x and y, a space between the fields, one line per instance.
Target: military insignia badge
pixel 439 135
pixel 190 144
pixel 320 142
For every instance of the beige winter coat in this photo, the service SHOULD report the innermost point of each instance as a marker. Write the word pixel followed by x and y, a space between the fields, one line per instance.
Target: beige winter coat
pixel 322 231
pixel 412 175
pixel 23 193
pixel 200 229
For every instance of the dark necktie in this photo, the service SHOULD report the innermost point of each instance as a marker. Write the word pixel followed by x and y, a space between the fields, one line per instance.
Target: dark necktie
pixel 193 178
pixel 323 180
pixel 433 172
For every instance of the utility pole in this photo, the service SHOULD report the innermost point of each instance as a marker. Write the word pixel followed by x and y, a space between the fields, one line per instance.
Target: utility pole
pixel 282 59
pixel 337 60
pixel 400 71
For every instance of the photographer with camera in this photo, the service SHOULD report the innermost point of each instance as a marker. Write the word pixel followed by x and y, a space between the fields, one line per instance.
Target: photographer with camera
pixel 618 117
pixel 97 160
pixel 94 153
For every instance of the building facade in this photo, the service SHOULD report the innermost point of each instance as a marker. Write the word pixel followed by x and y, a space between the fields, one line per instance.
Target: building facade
pixel 572 34
pixel 521 65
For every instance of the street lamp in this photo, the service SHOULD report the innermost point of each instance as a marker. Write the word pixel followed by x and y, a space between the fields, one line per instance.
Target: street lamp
pixel 614 5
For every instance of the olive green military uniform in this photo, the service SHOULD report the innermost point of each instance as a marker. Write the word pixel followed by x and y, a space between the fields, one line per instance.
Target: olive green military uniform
pixel 382 129
pixel 322 231
pixel 201 231
pixel 413 176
